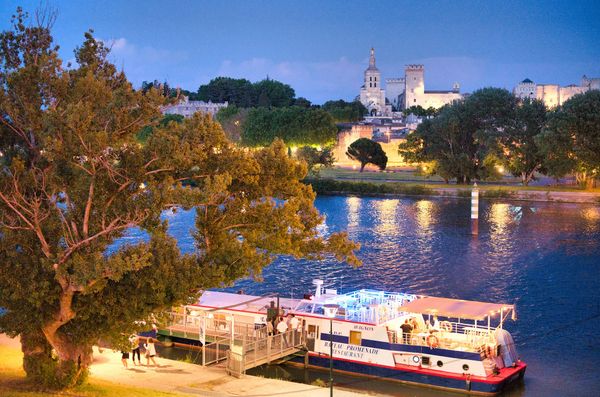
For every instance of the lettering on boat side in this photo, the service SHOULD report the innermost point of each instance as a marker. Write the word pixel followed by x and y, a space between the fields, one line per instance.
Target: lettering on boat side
pixel 352 351
pixel 363 328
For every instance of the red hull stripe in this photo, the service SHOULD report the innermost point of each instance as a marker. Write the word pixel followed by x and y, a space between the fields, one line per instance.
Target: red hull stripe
pixel 494 379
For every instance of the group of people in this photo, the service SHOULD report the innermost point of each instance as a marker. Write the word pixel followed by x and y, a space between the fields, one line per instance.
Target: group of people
pixel 281 325
pixel 411 326
pixel 136 348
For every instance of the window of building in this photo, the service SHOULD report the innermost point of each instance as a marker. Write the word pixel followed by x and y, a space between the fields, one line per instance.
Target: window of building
pixel 374 84
pixel 355 338
pixel 375 78
pixel 370 78
pixel 370 84
pixel 415 100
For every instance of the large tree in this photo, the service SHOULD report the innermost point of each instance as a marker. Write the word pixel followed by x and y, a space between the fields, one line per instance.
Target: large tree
pixel 366 152
pixel 459 139
pixel 74 179
pixel 515 144
pixel 571 142
pixel 274 93
pixel 238 92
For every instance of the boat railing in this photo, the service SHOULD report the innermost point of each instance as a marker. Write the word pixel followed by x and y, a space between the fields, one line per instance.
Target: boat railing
pixel 455 336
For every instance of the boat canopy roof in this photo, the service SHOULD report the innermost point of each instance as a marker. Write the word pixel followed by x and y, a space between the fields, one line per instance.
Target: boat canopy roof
pixel 455 308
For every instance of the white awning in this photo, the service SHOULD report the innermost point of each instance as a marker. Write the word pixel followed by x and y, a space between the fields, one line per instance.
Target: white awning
pixel 455 308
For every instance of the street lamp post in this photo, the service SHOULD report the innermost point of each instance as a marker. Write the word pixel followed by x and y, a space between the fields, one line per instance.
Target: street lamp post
pixel 330 312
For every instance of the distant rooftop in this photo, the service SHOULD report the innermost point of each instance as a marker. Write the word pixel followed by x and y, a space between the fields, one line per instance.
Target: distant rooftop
pixel 526 81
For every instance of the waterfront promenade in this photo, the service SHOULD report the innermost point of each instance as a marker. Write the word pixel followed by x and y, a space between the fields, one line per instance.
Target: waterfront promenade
pixel 182 378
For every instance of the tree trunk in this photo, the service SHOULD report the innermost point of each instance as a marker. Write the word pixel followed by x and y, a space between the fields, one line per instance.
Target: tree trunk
pixel 362 166
pixel 63 367
pixel 590 183
pixel 51 358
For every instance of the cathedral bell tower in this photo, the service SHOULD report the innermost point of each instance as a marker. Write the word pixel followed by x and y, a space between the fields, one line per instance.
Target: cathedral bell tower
pixel 372 96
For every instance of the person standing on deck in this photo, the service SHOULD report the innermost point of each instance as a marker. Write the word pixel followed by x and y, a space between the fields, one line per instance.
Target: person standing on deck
pixel 294 324
pixel 406 331
pixel 282 329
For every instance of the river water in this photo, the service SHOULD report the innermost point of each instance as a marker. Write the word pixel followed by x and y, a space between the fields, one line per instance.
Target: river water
pixel 544 257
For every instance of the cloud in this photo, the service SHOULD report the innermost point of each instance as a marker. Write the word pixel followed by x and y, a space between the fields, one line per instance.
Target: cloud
pixel 317 81
pixel 143 62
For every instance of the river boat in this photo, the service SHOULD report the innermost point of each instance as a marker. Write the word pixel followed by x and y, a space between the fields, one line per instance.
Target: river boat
pixel 454 344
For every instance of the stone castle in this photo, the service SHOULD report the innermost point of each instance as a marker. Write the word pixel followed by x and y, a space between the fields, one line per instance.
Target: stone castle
pixel 401 93
pixel 552 94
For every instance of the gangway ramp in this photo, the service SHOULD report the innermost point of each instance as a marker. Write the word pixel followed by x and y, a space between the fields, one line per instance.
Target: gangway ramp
pixel 258 351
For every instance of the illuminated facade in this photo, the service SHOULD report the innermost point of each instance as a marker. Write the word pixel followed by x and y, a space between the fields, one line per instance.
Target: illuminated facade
pixel 187 108
pixel 372 94
pixel 553 94
pixel 401 92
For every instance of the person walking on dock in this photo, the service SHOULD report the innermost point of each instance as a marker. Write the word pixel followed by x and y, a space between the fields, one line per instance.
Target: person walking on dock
pixel 135 344
pixel 150 352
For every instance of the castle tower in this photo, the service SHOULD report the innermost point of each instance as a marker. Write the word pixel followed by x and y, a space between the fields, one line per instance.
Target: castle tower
pixel 372 96
pixel 415 85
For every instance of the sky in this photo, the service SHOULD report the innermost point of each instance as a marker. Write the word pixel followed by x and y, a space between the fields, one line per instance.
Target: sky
pixel 321 48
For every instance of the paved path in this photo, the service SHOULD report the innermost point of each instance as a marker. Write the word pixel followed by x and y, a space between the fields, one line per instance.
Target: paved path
pixel 191 379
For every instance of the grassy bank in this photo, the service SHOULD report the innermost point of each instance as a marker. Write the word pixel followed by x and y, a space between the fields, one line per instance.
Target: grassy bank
pixel 14 384
pixel 324 186
pixel 408 176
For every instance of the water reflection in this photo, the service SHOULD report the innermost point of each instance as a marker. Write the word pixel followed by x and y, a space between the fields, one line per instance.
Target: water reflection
pixel 387 223
pixel 353 204
pixel 424 216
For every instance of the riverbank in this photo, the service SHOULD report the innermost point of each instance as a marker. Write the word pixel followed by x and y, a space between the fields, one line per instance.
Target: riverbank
pixel 108 377
pixel 383 188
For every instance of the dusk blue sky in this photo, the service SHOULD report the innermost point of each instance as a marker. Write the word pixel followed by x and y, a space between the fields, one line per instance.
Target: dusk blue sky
pixel 321 47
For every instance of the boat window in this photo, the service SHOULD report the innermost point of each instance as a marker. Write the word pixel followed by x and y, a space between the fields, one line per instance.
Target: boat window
pixel 465 367
pixel 312 330
pixel 355 338
pixel 319 310
pixel 425 360
pixel 440 363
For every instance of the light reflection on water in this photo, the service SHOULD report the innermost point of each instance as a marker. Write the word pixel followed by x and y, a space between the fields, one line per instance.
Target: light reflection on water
pixel 545 257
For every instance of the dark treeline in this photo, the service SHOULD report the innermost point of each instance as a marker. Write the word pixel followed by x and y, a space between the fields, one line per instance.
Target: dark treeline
pixel 491 130
pixel 262 111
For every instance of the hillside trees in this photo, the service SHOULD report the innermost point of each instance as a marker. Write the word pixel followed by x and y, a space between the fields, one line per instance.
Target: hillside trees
pixel 295 125
pixel 366 152
pixel 343 111
pixel 75 179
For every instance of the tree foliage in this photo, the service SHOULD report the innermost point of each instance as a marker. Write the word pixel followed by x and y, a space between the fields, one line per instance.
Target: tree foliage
pixel 295 125
pixel 343 111
pixel 515 145
pixel 420 111
pixel 75 179
pixel 244 94
pixel 315 158
pixel 460 138
pixel 571 142
pixel 366 152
